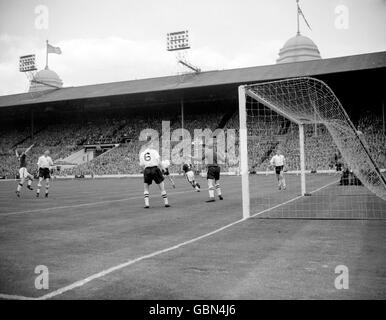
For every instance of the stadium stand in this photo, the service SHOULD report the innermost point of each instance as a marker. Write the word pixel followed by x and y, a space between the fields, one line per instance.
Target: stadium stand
pixel 65 138
pixel 124 159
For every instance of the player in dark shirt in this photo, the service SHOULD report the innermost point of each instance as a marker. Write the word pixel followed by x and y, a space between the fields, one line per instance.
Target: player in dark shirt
pixel 213 174
pixel 212 157
pixel 189 174
pixel 23 173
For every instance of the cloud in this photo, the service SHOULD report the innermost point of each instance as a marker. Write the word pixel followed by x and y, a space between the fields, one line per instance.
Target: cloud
pixel 95 60
pixel 11 48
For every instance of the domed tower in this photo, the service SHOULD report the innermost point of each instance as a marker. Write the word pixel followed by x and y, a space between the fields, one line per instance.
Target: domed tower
pixel 298 48
pixel 44 80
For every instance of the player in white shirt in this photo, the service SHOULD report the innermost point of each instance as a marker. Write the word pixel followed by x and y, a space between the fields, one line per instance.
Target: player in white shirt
pixel 165 171
pixel 44 165
pixel 150 160
pixel 278 161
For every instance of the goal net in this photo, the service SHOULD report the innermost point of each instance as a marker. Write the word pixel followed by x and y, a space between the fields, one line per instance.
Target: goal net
pixel 328 173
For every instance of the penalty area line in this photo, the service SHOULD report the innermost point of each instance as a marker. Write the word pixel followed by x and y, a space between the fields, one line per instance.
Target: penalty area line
pixel 105 272
pixel 82 205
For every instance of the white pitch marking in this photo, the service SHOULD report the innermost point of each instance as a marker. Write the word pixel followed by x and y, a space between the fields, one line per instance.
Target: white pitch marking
pixel 82 205
pixel 15 297
pixel 98 275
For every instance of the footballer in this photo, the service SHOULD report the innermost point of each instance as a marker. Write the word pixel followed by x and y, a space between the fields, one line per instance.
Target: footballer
pixel 278 161
pixel 149 159
pixel 44 165
pixel 189 174
pixel 212 157
pixel 23 173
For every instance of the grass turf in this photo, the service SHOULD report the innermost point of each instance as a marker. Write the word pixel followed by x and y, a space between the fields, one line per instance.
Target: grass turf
pixel 87 226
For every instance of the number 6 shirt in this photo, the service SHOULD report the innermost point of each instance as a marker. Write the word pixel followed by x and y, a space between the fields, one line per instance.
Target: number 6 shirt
pixel 149 158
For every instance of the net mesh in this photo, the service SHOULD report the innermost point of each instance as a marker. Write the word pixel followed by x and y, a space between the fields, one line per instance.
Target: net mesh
pixel 342 176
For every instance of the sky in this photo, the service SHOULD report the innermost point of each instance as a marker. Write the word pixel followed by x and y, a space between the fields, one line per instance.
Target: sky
pixel 118 40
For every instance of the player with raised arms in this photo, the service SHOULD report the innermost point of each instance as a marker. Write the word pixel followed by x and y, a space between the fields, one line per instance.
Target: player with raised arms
pixel 149 159
pixel 23 173
pixel 44 165
pixel 278 161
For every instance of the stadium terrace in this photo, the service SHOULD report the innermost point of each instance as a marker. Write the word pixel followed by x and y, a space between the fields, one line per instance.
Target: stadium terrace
pixel 100 122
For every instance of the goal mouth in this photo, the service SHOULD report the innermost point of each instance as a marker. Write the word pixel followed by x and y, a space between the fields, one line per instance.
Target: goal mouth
pixel 304 120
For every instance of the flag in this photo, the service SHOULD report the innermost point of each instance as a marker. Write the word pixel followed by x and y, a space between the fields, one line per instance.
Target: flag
pixel 52 49
pixel 305 20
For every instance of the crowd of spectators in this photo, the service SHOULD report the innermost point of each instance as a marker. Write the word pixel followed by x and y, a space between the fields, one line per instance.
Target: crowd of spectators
pixel 264 139
pixel 124 158
pixel 119 160
pixel 371 126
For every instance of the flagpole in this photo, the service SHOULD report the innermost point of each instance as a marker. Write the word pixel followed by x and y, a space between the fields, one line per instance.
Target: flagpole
pixel 46 54
pixel 297 11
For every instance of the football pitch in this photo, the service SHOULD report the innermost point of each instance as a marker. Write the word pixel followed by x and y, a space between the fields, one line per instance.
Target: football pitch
pixel 98 242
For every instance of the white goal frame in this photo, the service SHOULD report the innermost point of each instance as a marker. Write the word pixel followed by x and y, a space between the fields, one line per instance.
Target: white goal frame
pixel 317 105
pixel 243 143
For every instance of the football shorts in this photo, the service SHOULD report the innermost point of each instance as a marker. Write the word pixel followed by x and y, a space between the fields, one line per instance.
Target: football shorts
pixel 190 176
pixel 213 173
pixel 23 173
pixel 44 173
pixel 151 174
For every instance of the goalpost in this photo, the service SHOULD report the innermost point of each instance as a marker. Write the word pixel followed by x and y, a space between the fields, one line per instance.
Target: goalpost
pixel 304 119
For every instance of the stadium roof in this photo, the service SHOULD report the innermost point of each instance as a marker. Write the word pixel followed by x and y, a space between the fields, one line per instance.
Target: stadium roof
pixel 203 79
